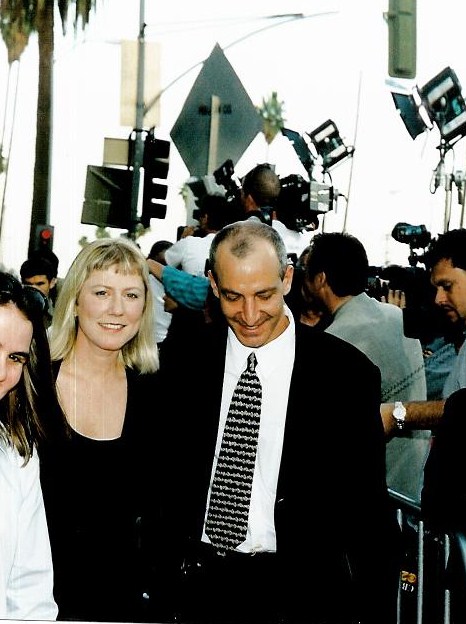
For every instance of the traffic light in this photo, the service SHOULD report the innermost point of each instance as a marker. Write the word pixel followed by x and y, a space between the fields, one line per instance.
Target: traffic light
pixel 401 19
pixel 155 163
pixel 43 237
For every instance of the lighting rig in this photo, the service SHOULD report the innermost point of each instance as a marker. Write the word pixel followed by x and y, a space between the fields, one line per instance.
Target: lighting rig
pixel 326 144
pixel 439 102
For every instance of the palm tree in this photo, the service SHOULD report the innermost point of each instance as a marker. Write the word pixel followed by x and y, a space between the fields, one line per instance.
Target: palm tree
pixel 18 18
pixel 271 111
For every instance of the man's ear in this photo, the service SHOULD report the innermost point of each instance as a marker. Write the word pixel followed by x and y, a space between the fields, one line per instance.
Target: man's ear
pixel 213 284
pixel 288 278
pixel 249 203
pixel 320 280
pixel 53 282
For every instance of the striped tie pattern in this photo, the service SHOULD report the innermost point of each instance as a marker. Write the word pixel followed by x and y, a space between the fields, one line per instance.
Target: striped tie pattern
pixel 227 518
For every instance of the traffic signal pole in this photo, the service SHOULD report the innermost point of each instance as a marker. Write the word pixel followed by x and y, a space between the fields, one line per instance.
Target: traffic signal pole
pixel 138 153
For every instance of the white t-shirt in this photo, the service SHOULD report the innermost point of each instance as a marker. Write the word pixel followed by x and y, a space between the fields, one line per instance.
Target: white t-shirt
pixel 26 572
pixel 295 242
pixel 190 253
pixel 162 319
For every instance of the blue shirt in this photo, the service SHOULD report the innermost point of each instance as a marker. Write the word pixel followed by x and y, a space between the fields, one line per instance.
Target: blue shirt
pixel 188 290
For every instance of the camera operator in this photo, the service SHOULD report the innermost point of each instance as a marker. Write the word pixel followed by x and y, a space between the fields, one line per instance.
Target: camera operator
pixel 260 193
pixel 446 262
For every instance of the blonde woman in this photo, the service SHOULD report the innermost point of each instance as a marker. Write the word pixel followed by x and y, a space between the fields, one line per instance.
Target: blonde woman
pixel 100 486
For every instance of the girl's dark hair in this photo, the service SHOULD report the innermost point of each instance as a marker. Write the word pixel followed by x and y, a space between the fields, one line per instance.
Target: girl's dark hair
pixel 30 412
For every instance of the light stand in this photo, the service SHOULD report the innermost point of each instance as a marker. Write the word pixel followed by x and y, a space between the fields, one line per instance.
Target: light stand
pixel 332 149
pixel 445 105
pixel 441 178
pixel 460 182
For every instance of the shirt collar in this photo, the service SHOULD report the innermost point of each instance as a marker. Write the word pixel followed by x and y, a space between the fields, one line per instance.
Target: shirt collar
pixel 268 356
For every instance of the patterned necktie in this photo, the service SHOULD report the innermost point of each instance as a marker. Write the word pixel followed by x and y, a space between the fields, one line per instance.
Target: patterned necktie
pixel 227 518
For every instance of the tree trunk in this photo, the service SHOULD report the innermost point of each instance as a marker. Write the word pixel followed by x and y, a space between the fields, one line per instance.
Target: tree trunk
pixel 41 198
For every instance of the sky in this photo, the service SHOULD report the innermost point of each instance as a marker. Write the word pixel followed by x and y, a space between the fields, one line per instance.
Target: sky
pixel 330 64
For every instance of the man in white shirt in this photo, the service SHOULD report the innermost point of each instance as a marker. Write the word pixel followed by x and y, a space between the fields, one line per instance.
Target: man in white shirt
pixel 190 253
pixel 319 539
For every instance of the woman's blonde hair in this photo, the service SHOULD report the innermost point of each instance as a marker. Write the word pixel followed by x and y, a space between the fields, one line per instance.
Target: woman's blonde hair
pixel 141 351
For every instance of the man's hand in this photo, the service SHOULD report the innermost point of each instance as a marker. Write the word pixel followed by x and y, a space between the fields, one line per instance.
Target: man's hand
pixel 395 297
pixel 189 230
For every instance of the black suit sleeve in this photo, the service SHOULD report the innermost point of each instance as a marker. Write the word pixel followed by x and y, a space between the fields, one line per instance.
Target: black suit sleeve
pixel 444 492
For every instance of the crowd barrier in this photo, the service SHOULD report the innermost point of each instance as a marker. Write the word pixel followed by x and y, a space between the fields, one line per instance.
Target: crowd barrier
pixel 432 588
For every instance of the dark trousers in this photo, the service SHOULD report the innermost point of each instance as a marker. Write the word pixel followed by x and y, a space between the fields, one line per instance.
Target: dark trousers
pixel 242 589
pixel 234 589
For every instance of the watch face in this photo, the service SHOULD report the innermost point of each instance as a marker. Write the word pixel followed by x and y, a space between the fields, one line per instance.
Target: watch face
pixel 399 414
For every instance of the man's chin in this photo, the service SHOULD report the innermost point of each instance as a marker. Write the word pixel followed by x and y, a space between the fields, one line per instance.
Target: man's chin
pixel 250 337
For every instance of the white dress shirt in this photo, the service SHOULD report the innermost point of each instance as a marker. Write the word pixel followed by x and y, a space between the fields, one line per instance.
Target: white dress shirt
pixel 26 573
pixel 274 367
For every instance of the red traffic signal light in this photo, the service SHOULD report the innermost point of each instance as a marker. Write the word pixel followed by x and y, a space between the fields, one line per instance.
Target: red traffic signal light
pixel 44 237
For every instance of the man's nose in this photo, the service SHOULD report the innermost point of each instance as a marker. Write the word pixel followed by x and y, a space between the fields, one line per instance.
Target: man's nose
pixel 440 296
pixel 250 312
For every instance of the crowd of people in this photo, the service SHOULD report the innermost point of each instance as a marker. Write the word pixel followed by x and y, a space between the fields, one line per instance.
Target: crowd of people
pixel 209 434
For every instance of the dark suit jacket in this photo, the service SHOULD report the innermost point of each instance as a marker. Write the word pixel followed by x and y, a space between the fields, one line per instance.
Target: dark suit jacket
pixel 443 498
pixel 337 537
pixel 444 491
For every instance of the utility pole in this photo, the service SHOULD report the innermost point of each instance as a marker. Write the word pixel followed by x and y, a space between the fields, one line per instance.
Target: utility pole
pixel 138 153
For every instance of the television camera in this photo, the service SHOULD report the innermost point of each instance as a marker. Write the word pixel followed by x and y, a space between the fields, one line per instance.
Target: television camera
pixel 298 205
pixel 416 236
pixel 421 317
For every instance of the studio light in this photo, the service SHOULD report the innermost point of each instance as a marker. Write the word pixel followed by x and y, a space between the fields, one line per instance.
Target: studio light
pixel 329 144
pixel 301 148
pixel 438 102
pixel 410 113
pixel 445 104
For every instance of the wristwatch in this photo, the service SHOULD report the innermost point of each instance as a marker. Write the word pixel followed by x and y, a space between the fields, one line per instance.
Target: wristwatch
pixel 399 414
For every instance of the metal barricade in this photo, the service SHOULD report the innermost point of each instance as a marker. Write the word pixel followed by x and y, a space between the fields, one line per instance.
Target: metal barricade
pixel 423 597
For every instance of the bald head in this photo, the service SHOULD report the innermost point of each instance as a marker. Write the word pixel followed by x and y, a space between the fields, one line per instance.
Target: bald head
pixel 242 239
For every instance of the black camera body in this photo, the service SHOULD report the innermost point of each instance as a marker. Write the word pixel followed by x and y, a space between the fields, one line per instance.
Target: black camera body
pixel 298 205
pixel 225 176
pixel 416 236
pixel 422 318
